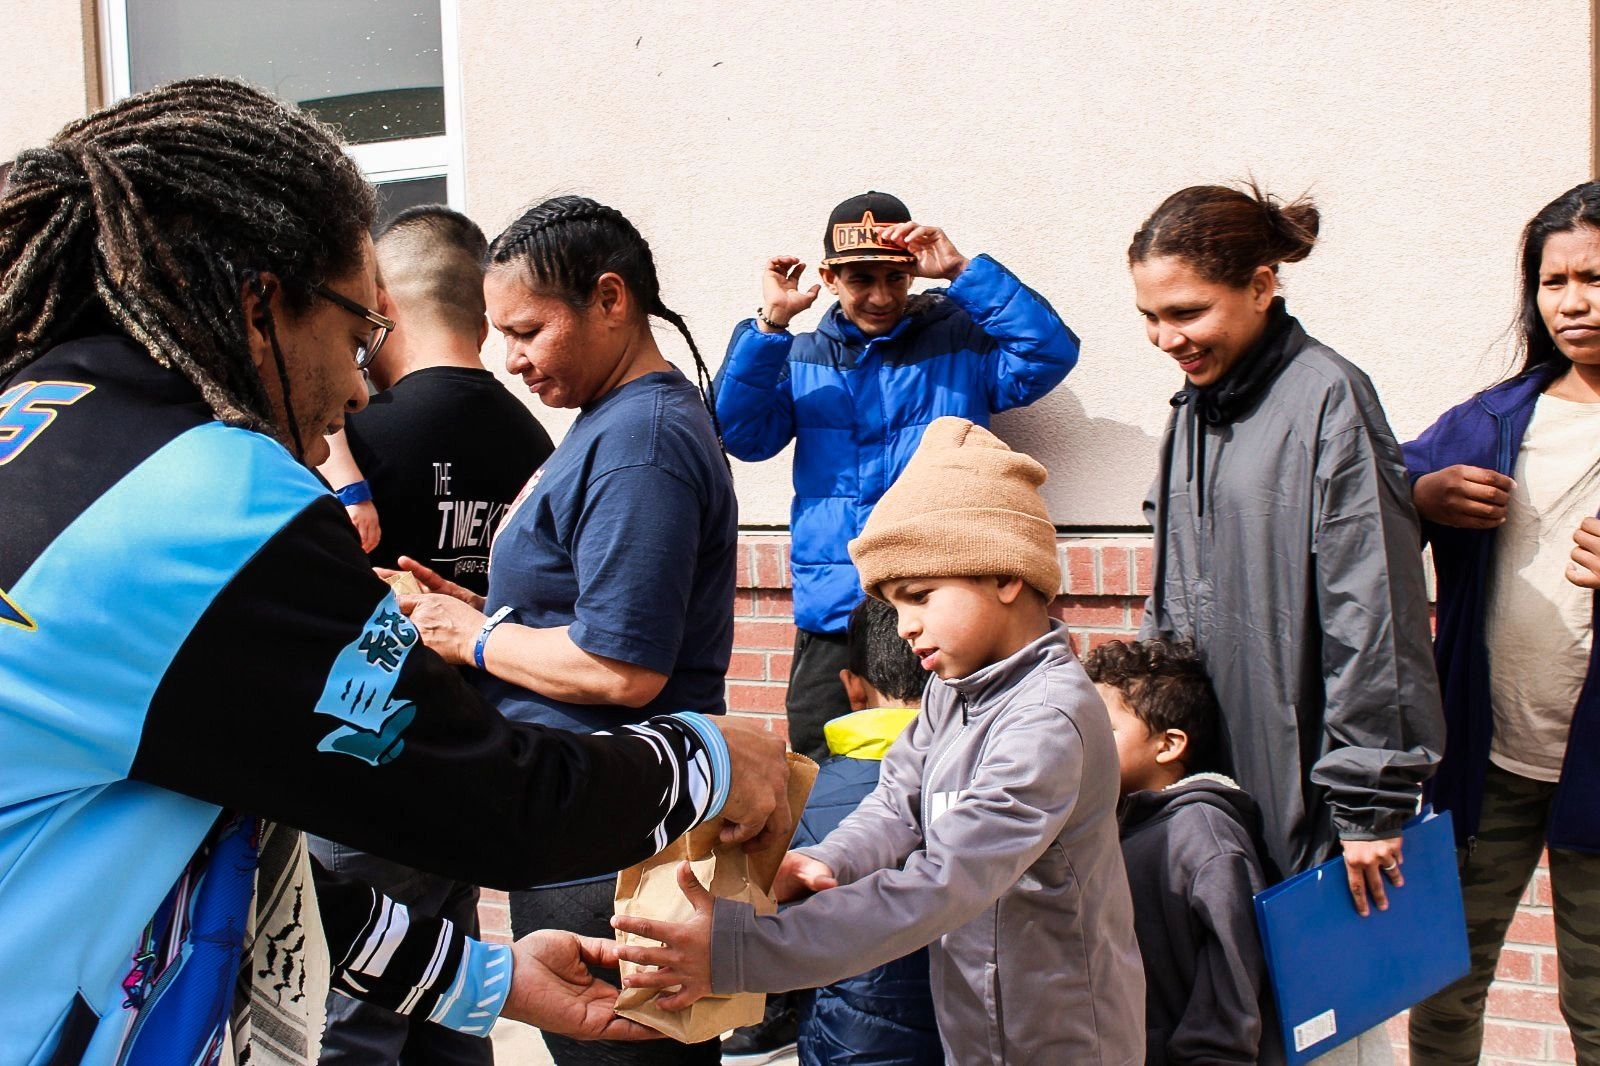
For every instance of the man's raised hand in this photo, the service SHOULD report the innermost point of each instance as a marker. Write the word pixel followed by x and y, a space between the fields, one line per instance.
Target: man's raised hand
pixel 936 256
pixel 781 296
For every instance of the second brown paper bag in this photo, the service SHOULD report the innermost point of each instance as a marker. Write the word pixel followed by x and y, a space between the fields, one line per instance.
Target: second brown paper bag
pixel 650 890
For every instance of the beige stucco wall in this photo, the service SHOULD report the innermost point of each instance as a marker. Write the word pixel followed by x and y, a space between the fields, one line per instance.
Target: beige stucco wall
pixel 42 53
pixel 1429 131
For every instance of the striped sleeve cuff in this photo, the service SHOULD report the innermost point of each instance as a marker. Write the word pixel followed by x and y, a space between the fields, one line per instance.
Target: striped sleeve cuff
pixel 716 746
pixel 475 998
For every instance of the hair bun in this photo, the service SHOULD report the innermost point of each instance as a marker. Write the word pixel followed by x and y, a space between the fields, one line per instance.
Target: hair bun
pixel 1227 233
pixel 1294 225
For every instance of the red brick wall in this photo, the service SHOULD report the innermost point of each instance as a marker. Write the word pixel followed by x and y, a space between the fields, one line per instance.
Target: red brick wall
pixel 1104 582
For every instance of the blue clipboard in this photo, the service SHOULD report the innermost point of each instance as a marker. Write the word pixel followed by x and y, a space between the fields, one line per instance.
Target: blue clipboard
pixel 1336 974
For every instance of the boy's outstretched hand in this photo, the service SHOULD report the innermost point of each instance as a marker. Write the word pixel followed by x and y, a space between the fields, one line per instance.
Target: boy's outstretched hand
pixel 800 876
pixel 684 960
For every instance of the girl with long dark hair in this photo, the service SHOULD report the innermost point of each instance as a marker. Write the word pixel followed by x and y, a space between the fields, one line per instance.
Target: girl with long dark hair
pixel 1504 483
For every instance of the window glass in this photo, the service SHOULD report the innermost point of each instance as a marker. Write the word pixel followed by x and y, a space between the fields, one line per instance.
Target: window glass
pixel 395 196
pixel 372 67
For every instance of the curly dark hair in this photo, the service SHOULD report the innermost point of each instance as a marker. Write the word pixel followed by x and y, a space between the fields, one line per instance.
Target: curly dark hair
pixel 1165 686
pixel 148 216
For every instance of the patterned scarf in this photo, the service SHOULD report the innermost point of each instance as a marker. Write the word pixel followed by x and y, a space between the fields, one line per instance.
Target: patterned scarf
pixel 280 998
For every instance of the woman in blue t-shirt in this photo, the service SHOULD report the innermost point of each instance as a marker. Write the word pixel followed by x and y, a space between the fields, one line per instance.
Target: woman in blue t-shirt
pixel 611 580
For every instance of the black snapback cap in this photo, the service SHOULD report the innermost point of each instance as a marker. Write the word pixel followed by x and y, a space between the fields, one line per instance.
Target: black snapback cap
pixel 852 235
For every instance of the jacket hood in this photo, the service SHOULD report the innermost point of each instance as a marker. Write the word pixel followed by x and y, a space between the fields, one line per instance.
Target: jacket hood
pixel 922 311
pixel 1142 808
pixel 867 734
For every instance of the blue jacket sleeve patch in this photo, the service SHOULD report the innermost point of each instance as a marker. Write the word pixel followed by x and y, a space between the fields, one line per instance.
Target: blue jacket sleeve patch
pixel 359 690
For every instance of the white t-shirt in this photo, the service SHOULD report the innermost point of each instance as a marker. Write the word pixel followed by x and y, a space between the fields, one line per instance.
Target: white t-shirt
pixel 1539 623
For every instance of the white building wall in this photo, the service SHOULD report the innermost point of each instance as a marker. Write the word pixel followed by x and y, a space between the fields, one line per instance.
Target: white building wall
pixel 1428 131
pixel 42 60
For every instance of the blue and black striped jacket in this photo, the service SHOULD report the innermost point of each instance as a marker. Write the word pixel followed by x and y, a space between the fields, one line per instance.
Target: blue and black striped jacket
pixel 190 633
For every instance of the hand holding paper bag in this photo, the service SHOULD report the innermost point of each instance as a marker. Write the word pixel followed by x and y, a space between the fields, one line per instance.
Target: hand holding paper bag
pixel 665 900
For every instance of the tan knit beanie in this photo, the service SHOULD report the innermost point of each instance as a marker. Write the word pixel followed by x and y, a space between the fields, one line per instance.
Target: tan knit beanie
pixel 965 506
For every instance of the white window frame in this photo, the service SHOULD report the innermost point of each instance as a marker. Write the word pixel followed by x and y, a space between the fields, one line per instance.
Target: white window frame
pixel 383 162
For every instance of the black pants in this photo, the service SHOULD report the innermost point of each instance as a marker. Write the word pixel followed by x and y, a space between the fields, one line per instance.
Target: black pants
pixel 586 910
pixel 816 695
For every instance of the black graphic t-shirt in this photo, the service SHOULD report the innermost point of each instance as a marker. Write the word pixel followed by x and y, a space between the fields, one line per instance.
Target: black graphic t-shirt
pixel 446 451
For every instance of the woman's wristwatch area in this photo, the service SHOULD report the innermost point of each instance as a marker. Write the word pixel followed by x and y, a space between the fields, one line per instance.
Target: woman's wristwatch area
pixel 483 635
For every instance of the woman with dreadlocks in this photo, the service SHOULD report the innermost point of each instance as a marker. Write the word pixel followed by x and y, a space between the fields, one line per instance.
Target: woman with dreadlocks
pixel 194 656
pixel 611 582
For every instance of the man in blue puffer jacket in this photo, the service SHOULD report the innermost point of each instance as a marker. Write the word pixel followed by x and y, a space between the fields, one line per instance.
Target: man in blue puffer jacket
pixel 856 395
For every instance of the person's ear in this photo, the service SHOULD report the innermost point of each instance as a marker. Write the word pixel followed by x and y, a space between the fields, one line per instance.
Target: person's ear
pixel 856 690
pixel 1263 288
pixel 483 332
pixel 259 297
pixel 1008 589
pixel 830 280
pixel 1174 745
pixel 611 298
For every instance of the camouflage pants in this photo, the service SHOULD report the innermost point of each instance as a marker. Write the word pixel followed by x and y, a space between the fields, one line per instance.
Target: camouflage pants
pixel 1448 1027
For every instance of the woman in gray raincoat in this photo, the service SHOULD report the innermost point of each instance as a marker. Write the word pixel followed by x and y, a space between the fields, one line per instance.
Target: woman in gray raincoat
pixel 1286 543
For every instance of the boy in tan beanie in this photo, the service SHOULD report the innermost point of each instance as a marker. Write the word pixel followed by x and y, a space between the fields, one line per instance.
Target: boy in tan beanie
pixel 992 834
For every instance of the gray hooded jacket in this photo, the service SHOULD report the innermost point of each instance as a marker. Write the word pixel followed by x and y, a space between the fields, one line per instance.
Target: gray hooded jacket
pixel 992 837
pixel 1287 549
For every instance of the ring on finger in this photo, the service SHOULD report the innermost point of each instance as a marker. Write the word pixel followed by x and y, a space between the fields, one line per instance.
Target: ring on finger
pixel 1391 867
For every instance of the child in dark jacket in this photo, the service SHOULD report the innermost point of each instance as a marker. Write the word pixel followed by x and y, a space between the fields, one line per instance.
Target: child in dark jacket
pixel 883 1017
pixel 1192 844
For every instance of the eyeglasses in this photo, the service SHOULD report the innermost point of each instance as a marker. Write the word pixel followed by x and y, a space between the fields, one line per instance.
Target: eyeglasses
pixel 381 324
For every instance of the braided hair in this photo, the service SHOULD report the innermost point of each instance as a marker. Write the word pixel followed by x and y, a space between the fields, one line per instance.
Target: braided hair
pixel 148 216
pixel 568 242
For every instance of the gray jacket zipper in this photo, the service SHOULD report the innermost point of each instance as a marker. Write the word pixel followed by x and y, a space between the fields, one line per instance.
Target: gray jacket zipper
pixel 938 764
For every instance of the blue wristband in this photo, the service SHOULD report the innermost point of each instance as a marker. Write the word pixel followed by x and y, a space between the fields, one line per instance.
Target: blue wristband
pixel 354 493
pixel 716 746
pixel 474 1000
pixel 483 635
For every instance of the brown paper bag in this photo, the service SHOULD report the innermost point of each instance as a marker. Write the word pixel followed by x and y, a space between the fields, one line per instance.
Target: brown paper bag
pixel 650 890
pixel 405 583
